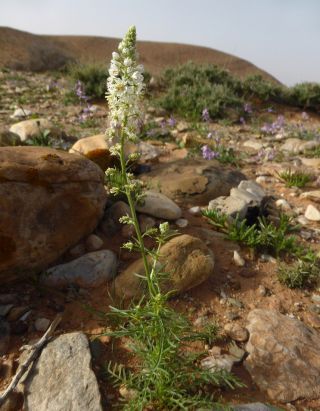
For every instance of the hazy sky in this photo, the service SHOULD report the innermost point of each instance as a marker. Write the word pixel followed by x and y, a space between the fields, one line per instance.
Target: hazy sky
pixel 279 36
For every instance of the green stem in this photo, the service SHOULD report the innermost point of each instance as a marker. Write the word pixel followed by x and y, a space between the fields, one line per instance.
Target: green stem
pixel 134 215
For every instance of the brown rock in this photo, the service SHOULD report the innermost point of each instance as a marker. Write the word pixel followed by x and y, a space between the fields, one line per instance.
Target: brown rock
pixel 49 201
pixel 236 332
pixel 284 356
pixel 197 180
pixel 186 259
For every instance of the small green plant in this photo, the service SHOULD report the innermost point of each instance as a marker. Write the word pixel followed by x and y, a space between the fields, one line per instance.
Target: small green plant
pixel 262 235
pixel 301 274
pixel 167 376
pixel 42 139
pixel 295 178
pixel 313 153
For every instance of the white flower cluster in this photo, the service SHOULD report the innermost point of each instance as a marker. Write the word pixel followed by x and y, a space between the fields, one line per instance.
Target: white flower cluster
pixel 125 88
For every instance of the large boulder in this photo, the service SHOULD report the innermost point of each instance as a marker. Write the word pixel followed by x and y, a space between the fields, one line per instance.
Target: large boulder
pixel 49 201
pixel 62 378
pixel 196 181
pixel 186 260
pixel 27 129
pixel 284 356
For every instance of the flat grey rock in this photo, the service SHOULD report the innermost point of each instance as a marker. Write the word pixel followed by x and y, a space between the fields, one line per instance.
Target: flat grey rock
pixel 62 378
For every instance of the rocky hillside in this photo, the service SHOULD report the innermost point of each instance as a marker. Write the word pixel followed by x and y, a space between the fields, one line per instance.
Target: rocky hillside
pixel 25 51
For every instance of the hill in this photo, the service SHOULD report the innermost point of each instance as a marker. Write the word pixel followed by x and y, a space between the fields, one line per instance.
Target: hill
pixel 29 52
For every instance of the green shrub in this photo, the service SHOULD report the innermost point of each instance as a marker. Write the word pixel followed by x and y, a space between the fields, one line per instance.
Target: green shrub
pixel 299 275
pixel 255 86
pixel 305 95
pixel 92 76
pixel 190 88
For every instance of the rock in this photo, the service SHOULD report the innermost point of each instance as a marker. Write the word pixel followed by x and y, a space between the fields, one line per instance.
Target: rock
pixel 311 162
pixel 62 378
pixel 312 213
pixel 236 332
pixel 283 204
pixel 146 222
pixel 255 406
pixel 296 145
pixel 315 298
pixel 254 144
pixel 159 206
pixel 238 260
pixel 9 139
pixel 50 201
pixel 236 351
pixel 230 206
pixel 311 195
pixel 110 223
pixel 147 151
pixel 196 180
pixel 182 223
pixel 4 309
pixel 32 128
pixel 41 324
pixel 222 362
pixel 283 356
pixel 95 148
pixel 17 312
pixel 77 251
pixel 93 243
pixel 21 113
pixel 196 210
pixel 249 191
pixel 4 336
pixel 89 271
pixel 186 259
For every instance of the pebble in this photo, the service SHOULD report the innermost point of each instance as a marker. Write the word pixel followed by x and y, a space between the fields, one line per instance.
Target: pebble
pixel 262 291
pixel 266 258
pixel 302 220
pixel 182 222
pixel 195 210
pixel 315 298
pixel 222 362
pixel 93 243
pixel 238 260
pixel 236 332
pixel 42 324
pixel 4 309
pixel 312 213
pixel 283 204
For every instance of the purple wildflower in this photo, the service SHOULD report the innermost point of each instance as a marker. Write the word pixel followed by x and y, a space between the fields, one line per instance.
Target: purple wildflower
pixel 163 123
pixel 208 154
pixel 242 121
pixel 273 128
pixel 172 121
pixel 205 115
pixel 270 110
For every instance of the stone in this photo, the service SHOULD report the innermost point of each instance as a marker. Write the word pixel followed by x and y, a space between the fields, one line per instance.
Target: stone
pixel 96 149
pixel 238 260
pixel 21 113
pixel 255 406
pixel 50 200
pixel 4 336
pixel 222 362
pixel 5 309
pixel 196 210
pixel 182 222
pixel 158 205
pixel 41 324
pixel 296 145
pixel 17 312
pixel 146 222
pixel 236 332
pixel 196 180
pixel 62 378
pixel 312 213
pixel 93 243
pixel 230 206
pixel 9 139
pixel 88 271
pixel 110 223
pixel 186 259
pixel 311 162
pixel 283 204
pixel 284 357
pixel 32 128
pixel 249 191
pixel 315 298
pixel 254 144
pixel 311 195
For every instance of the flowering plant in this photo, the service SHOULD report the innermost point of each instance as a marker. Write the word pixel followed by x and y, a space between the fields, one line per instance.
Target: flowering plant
pixel 155 331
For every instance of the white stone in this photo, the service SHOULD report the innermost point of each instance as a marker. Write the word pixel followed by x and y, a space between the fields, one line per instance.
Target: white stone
pixel 239 261
pixel 21 113
pixel 160 206
pixel 283 204
pixel 182 222
pixel 30 128
pixel 312 213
